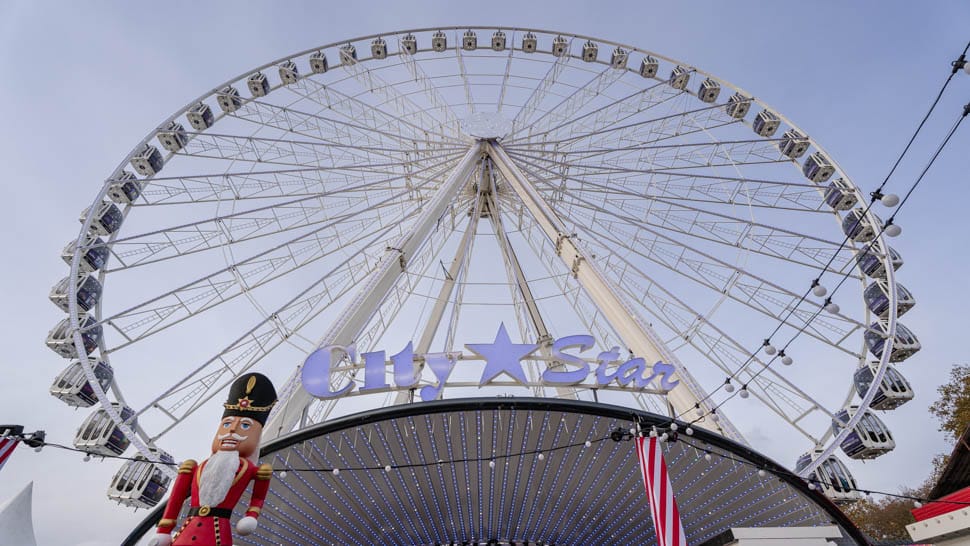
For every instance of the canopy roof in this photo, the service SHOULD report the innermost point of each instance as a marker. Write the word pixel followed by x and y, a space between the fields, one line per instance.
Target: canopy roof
pixel 441 487
pixel 16 519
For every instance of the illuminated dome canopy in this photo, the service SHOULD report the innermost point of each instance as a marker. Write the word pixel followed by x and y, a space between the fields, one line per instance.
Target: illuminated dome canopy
pixel 441 487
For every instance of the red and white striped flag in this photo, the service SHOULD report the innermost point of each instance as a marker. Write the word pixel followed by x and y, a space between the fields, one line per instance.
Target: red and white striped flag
pixel 663 505
pixel 7 444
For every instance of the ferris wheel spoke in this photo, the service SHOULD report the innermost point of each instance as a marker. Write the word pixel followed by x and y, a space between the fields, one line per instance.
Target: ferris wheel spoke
pixel 576 101
pixel 434 98
pixel 469 100
pixel 273 219
pixel 192 299
pixel 699 187
pixel 320 127
pixel 368 114
pixel 603 117
pixel 405 107
pixel 779 394
pixel 712 188
pixel 665 157
pixel 732 281
pixel 297 153
pixel 505 79
pixel 724 230
pixel 268 184
pixel 187 395
pixel 524 116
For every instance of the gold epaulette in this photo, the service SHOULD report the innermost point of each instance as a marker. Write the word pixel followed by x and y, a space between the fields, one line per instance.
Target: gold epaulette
pixel 264 472
pixel 188 466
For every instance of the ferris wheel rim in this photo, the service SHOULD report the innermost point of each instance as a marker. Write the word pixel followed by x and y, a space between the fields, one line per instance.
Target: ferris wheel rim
pixel 75 263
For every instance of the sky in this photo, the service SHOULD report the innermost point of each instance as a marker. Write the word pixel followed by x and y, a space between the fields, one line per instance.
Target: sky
pixel 85 83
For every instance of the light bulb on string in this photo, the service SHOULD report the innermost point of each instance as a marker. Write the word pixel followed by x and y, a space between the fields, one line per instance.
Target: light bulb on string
pixel 491 464
pixel 728 386
pixel 707 457
pixel 892 229
pixel 831 306
pixel 541 457
pixel 587 443
pixel 744 392
pixel 673 427
pixel 689 431
pixel 785 359
pixel 336 471
pixel 664 437
pixel 282 474
pixel 889 200
pixel 762 473
pixel 818 289
pixel 387 468
pixel 769 348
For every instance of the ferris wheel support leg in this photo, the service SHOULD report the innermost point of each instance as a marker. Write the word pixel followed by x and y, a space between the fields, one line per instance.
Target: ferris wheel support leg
pixel 638 336
pixel 351 322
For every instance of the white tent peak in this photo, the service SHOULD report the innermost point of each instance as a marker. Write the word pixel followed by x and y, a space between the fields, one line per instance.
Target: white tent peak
pixel 16 521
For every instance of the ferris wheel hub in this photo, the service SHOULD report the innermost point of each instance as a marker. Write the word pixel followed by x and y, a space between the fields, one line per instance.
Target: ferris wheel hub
pixel 486 125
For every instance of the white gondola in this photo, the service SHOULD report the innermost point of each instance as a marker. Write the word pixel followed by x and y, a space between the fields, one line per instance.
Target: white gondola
pixel 439 42
pixel 348 54
pixel 469 40
pixel 560 46
pixel 530 43
pixel 870 437
pixel 619 58
pixel 72 387
pixel 378 48
pixel 200 116
pixel 840 196
pixel 793 144
pixel 88 292
pixel 738 105
pixel 125 189
pixel 877 299
pixel 905 343
pixel 172 137
pixel 409 44
pixel 765 123
pixel 709 90
pixel 228 99
pixel 147 161
pixel 99 435
pixel 141 482
pixel 289 74
pixel 318 62
pixel 95 254
pixel 893 390
pixel 649 67
pixel 107 218
pixel 498 41
pixel 831 477
pixel 61 338
pixel 870 261
pixel 590 51
pixel 857 226
pixel 818 168
pixel 258 84
pixel 679 77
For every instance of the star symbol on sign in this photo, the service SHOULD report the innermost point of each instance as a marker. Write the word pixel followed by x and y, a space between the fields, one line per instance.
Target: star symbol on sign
pixel 502 356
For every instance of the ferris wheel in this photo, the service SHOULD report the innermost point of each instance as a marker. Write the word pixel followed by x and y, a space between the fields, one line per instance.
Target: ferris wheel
pixel 437 185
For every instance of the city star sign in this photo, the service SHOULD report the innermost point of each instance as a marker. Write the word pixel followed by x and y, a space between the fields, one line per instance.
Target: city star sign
pixel 501 357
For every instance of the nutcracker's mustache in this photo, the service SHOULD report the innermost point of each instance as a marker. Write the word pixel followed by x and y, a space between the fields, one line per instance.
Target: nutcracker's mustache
pixel 231 439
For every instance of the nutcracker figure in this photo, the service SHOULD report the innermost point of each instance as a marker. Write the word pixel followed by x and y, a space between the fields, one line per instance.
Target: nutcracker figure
pixel 217 484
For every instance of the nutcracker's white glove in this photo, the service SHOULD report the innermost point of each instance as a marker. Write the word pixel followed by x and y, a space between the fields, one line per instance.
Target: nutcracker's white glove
pixel 161 539
pixel 247 525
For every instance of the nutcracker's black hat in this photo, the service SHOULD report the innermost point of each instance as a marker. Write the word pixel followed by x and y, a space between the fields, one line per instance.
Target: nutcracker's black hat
pixel 251 395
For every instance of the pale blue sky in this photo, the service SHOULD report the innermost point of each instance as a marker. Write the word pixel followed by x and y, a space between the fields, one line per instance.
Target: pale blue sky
pixel 84 83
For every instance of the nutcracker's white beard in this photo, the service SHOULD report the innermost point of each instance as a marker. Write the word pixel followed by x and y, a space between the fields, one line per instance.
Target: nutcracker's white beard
pixel 217 476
